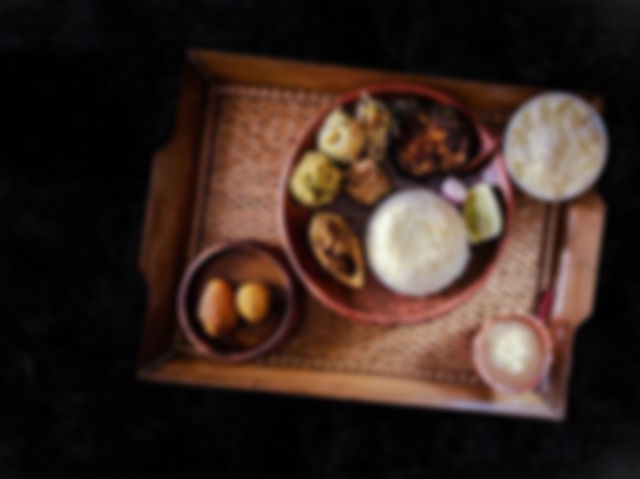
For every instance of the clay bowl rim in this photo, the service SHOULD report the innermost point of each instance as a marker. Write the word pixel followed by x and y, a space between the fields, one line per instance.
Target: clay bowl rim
pixel 488 151
pixel 289 319
pixel 547 344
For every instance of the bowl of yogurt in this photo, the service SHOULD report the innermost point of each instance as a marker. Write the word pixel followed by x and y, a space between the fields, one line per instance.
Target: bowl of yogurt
pixel 555 146
pixel 512 353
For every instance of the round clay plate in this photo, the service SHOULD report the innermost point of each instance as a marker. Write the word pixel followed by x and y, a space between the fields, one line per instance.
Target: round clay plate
pixel 238 262
pixel 374 303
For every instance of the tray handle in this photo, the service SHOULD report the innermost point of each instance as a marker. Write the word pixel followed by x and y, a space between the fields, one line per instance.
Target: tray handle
pixel 573 296
pixel 167 218
pixel 579 259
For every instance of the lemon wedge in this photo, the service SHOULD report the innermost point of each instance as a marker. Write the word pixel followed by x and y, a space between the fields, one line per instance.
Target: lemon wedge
pixel 482 214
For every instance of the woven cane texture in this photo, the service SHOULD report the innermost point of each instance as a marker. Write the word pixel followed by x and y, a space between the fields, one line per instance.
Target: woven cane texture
pixel 251 131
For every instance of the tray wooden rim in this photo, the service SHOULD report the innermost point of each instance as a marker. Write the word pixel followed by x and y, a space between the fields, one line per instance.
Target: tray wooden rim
pixel 162 256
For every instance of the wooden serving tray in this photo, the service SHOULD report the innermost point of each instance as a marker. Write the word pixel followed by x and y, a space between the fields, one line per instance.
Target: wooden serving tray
pixel 217 180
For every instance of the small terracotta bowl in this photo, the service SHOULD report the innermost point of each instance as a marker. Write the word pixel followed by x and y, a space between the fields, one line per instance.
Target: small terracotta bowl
pixel 480 360
pixel 237 262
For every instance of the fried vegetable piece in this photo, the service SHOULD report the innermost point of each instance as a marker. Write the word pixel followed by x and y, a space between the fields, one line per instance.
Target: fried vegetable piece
pixel 341 137
pixel 337 248
pixel 436 140
pixel 376 120
pixel 315 180
pixel 366 181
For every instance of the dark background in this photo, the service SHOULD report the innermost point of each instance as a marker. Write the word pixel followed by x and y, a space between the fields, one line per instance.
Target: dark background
pixel 89 92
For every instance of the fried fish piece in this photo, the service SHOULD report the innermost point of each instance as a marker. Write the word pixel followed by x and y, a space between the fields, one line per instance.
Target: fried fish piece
pixel 437 141
pixel 337 248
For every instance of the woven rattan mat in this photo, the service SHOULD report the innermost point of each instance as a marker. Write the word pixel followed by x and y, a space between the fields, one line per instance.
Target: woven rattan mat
pixel 250 132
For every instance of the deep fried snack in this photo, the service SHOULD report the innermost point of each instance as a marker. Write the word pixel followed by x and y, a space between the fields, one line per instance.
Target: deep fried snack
pixel 315 180
pixel 366 181
pixel 375 117
pixel 341 137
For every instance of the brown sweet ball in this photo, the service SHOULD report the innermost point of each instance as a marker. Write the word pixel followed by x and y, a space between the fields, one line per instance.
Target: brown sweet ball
pixel 253 301
pixel 216 310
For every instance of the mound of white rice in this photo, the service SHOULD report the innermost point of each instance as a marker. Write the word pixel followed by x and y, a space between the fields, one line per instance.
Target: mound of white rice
pixel 417 243
pixel 555 146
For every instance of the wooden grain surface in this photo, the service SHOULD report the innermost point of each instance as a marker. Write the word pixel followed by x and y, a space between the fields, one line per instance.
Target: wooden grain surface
pixel 168 216
pixel 499 98
pixel 169 231
pixel 186 369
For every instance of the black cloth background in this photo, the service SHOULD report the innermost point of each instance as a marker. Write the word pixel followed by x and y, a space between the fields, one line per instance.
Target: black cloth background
pixel 89 91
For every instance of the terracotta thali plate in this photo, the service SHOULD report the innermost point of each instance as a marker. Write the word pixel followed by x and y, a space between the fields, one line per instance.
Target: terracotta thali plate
pixel 374 302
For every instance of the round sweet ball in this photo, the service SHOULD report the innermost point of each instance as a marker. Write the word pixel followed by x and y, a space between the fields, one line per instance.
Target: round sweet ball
pixel 253 301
